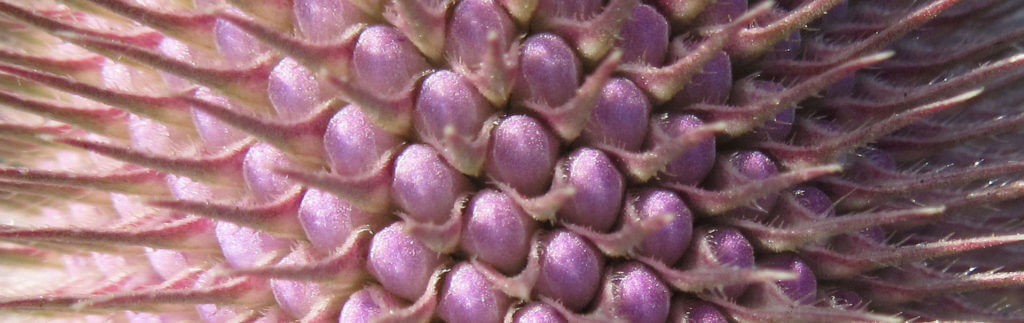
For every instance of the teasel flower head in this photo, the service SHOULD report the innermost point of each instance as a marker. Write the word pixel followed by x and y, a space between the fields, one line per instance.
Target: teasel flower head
pixel 511 160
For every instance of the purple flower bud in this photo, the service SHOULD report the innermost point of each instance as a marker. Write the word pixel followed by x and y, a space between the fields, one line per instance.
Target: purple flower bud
pixel 169 263
pixel 471 23
pixel 294 91
pixel 644 37
pixel 537 312
pixel 689 310
pixel 634 293
pixel 424 185
pixel 450 115
pixel 620 118
pixel 216 134
pixel 691 167
pixel 802 204
pixel 385 62
pixel 549 70
pixel 467 296
pixel 715 246
pixel 712 85
pixel 801 290
pixel 328 220
pixel 599 190
pixel 570 269
pixel 497 232
pixel 743 167
pixel 235 44
pixel 297 298
pixel 368 304
pixel 246 247
pixel 522 154
pixel 448 99
pixel 670 242
pixel 258 169
pixel 400 263
pixel 354 144
pixel 876 234
pixel 323 21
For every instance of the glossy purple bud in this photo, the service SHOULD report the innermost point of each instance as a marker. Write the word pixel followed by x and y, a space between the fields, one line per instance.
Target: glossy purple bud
pixel 368 304
pixel 468 297
pixel 424 186
pixel 216 134
pixel 670 242
pixel 448 99
pixel 170 263
pixel 297 297
pixel 497 232
pixel 400 263
pixel 324 21
pixel 744 167
pixel 599 190
pixel 245 247
pixel 385 62
pixel 712 85
pixel 259 170
pixel 644 37
pixel 633 293
pixel 450 115
pixel 620 118
pixel 686 309
pixel 803 203
pixel 294 91
pixel 328 220
pixel 802 289
pixel 471 23
pixel 522 154
pixel 235 44
pixel 570 269
pixel 354 144
pixel 549 70
pixel 719 246
pixel 537 312
pixel 691 167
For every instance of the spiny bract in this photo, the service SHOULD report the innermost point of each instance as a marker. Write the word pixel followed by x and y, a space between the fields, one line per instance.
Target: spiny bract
pixel 511 160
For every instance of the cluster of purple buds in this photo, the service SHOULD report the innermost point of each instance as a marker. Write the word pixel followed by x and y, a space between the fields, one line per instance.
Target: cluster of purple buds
pixel 511 160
